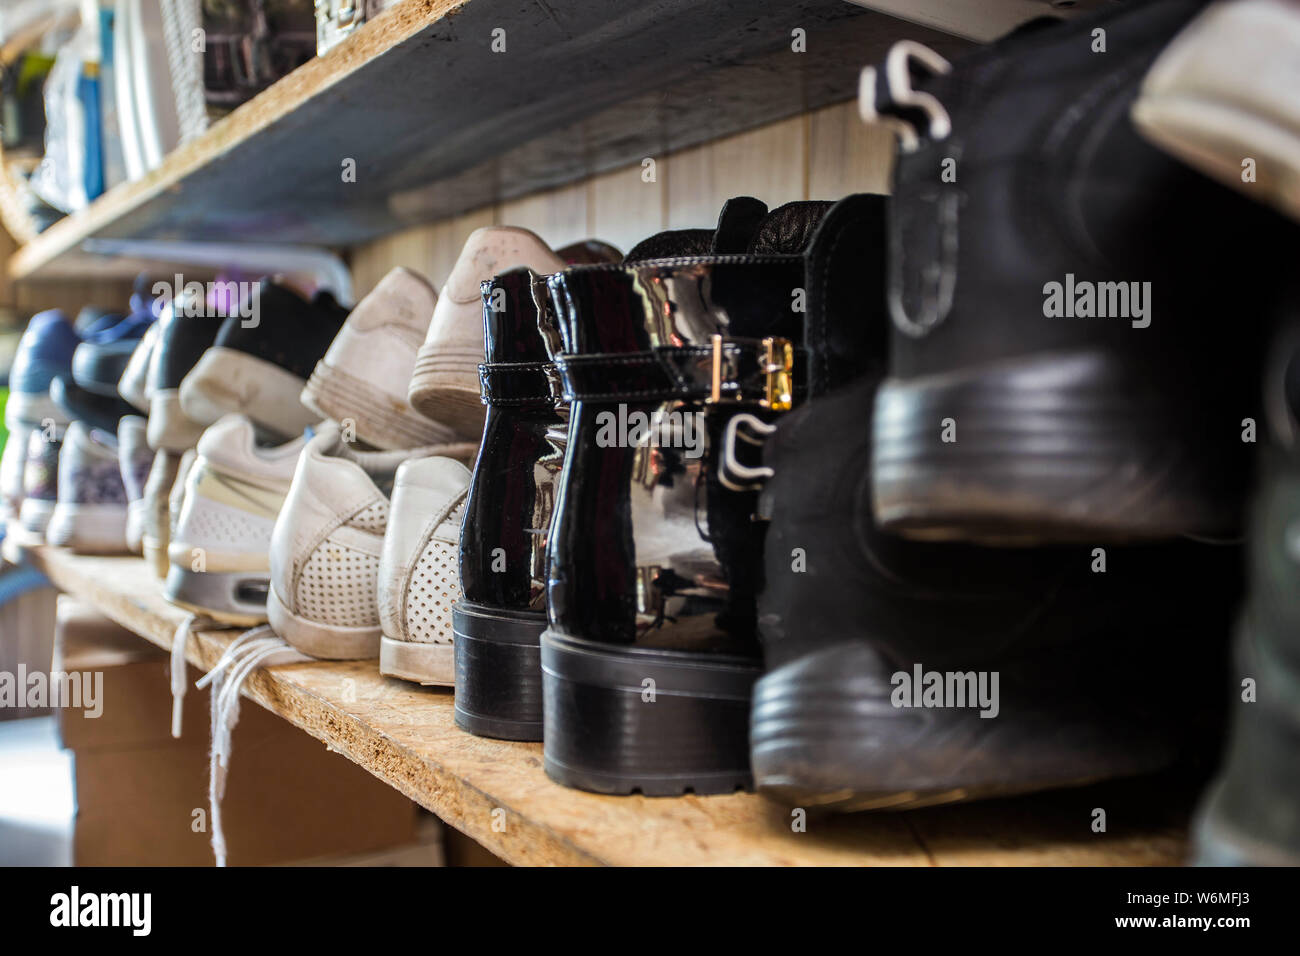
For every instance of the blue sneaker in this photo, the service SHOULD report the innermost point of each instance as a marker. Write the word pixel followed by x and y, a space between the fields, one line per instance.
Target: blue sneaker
pixel 44 351
pixel 100 360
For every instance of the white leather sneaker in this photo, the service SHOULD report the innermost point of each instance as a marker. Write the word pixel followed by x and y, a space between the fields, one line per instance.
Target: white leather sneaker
pixel 364 376
pixel 327 542
pixel 218 554
pixel 1224 90
pixel 445 384
pixel 419 573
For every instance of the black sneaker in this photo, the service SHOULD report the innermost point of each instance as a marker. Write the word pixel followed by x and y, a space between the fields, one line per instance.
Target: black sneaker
pixel 82 405
pixel 1075 314
pixel 259 365
pixel 182 341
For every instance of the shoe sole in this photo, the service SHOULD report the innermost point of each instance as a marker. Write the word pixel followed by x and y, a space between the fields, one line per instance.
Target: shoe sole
pixel 34 514
pixel 33 410
pixel 135 514
pixel 381 419
pixel 170 429
pixel 1056 448
pixel 498 671
pixel 88 529
pixel 155 556
pixel 226 380
pixel 228 597
pixel 826 734
pixel 622 720
pixel 432 665
pixel 445 387
pixel 321 641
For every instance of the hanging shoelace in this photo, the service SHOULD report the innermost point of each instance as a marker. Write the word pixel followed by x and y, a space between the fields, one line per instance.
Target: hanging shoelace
pixel 891 100
pixel 180 639
pixel 259 647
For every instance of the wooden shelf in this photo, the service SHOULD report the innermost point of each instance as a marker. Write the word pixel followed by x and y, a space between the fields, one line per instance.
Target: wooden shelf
pixel 405 735
pixel 437 123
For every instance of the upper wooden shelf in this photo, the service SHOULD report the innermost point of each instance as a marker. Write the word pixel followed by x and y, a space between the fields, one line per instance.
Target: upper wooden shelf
pixel 497 793
pixel 438 123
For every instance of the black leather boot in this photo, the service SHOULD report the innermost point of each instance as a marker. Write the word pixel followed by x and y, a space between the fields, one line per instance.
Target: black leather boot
pixel 1076 315
pixel 499 621
pixel 904 673
pixel 1251 816
pixel 655 559
pixel 1056 665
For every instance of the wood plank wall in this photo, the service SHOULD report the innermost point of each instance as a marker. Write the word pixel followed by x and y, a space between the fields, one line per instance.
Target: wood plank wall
pixel 824 154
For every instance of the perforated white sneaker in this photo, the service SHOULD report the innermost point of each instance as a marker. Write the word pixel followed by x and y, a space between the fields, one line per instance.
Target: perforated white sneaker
pixel 232 494
pixel 327 541
pixel 419 573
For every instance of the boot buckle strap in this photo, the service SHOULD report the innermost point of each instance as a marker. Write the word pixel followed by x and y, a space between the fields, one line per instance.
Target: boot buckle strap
pixel 777 367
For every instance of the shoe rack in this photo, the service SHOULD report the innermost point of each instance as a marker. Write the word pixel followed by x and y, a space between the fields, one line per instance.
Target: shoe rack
pixel 496 792
pixel 439 152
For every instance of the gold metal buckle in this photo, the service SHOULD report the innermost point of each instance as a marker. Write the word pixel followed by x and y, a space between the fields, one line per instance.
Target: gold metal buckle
pixel 778 367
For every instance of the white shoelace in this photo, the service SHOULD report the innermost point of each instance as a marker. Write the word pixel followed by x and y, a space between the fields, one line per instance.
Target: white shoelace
pixel 180 639
pixel 259 647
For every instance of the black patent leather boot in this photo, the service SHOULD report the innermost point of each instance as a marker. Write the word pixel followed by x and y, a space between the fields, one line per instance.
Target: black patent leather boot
pixel 499 621
pixel 671 367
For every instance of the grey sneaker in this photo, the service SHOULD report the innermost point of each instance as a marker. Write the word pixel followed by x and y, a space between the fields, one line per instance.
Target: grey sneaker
pixel 90 515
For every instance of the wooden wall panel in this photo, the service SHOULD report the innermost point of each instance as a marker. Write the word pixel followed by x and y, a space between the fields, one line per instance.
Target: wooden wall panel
pixel 845 155
pixel 824 154
pixel 560 216
pixel 623 207
pixel 769 162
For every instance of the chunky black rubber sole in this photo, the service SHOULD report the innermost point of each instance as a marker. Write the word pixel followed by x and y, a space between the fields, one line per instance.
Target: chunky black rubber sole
pixel 498 671
pixel 623 720
pixel 1057 447
pixel 826 734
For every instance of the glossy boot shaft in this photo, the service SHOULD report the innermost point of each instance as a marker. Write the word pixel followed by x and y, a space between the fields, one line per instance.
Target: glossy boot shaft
pixel 671 367
pixel 499 621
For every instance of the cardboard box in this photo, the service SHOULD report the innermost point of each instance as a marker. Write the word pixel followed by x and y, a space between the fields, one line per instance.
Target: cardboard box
pixel 142 797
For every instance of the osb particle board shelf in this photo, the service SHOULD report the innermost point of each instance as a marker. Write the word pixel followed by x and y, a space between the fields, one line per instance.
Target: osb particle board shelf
pixel 437 122
pixel 405 735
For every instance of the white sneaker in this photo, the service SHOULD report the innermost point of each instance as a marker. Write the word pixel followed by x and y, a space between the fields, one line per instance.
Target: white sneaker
pixel 1223 90
pixel 445 385
pixel 363 378
pixel 327 542
pixel 231 496
pixel 419 571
